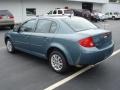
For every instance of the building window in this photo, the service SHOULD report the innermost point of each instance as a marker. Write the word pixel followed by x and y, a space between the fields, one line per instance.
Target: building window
pixel 30 11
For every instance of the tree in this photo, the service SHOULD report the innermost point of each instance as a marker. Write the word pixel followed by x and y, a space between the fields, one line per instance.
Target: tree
pixel 114 1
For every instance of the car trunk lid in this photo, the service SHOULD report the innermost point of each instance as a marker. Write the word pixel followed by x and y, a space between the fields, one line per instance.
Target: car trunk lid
pixel 101 38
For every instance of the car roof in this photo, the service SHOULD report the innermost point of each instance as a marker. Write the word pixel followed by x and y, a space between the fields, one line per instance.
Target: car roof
pixel 5 12
pixel 55 18
pixel 58 17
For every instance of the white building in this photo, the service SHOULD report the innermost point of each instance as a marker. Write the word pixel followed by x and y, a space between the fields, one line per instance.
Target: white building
pixel 111 7
pixel 21 9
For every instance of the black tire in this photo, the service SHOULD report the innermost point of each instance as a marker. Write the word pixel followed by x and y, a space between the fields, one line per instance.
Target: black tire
pixel 11 26
pixel 64 66
pixel 113 18
pixel 9 42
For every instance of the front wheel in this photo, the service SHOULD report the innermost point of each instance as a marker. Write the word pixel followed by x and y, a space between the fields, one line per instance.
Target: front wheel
pixel 10 47
pixel 113 18
pixel 58 62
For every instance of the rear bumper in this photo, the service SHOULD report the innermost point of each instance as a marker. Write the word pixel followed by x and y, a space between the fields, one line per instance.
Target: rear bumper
pixel 6 23
pixel 88 57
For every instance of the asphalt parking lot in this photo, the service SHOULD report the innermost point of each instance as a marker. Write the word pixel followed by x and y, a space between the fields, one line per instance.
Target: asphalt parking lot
pixel 21 71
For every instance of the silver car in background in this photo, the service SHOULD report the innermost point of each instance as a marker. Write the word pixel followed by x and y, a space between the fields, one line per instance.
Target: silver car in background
pixel 6 19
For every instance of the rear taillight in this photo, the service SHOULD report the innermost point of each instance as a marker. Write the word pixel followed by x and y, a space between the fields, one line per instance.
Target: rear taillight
pixel 0 17
pixel 11 17
pixel 87 42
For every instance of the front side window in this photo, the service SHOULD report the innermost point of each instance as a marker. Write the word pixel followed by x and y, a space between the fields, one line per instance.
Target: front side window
pixel 79 24
pixel 43 26
pixel 50 12
pixel 28 26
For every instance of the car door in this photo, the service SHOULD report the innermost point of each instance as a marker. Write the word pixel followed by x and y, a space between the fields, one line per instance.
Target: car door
pixel 22 36
pixel 43 36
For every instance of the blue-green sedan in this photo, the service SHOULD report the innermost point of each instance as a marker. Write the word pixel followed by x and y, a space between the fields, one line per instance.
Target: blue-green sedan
pixel 64 41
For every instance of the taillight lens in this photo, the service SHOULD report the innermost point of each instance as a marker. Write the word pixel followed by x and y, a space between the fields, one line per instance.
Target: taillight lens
pixel 11 17
pixel 0 17
pixel 87 42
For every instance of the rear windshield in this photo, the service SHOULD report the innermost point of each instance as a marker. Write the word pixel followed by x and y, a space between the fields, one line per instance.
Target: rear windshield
pixel 79 24
pixel 5 12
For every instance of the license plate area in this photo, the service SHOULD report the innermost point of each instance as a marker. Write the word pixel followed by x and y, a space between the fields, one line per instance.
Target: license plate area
pixel 103 40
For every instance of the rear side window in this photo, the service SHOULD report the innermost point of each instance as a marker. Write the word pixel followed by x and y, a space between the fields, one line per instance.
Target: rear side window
pixel 43 26
pixel 5 13
pixel 59 11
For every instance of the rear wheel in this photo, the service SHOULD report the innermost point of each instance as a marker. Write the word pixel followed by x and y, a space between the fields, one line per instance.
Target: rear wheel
pixel 10 47
pixel 58 62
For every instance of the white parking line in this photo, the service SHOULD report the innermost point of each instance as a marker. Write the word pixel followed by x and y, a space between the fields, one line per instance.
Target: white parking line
pixel 116 52
pixel 67 79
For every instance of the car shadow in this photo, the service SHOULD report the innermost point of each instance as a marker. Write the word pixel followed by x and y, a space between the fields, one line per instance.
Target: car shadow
pixel 43 62
pixel 4 28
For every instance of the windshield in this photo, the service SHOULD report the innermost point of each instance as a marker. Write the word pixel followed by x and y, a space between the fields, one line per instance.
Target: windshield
pixel 79 24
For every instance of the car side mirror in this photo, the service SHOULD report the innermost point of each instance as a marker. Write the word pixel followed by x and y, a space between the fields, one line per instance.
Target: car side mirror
pixel 27 29
pixel 16 28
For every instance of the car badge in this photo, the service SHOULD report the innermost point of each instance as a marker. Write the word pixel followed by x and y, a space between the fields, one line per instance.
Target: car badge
pixel 105 36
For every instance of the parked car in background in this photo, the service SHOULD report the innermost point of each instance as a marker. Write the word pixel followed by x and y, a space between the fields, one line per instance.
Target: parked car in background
pixel 64 41
pixel 113 15
pixel 6 19
pixel 101 16
pixel 94 16
pixel 59 11
pixel 82 13
pixel 74 12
